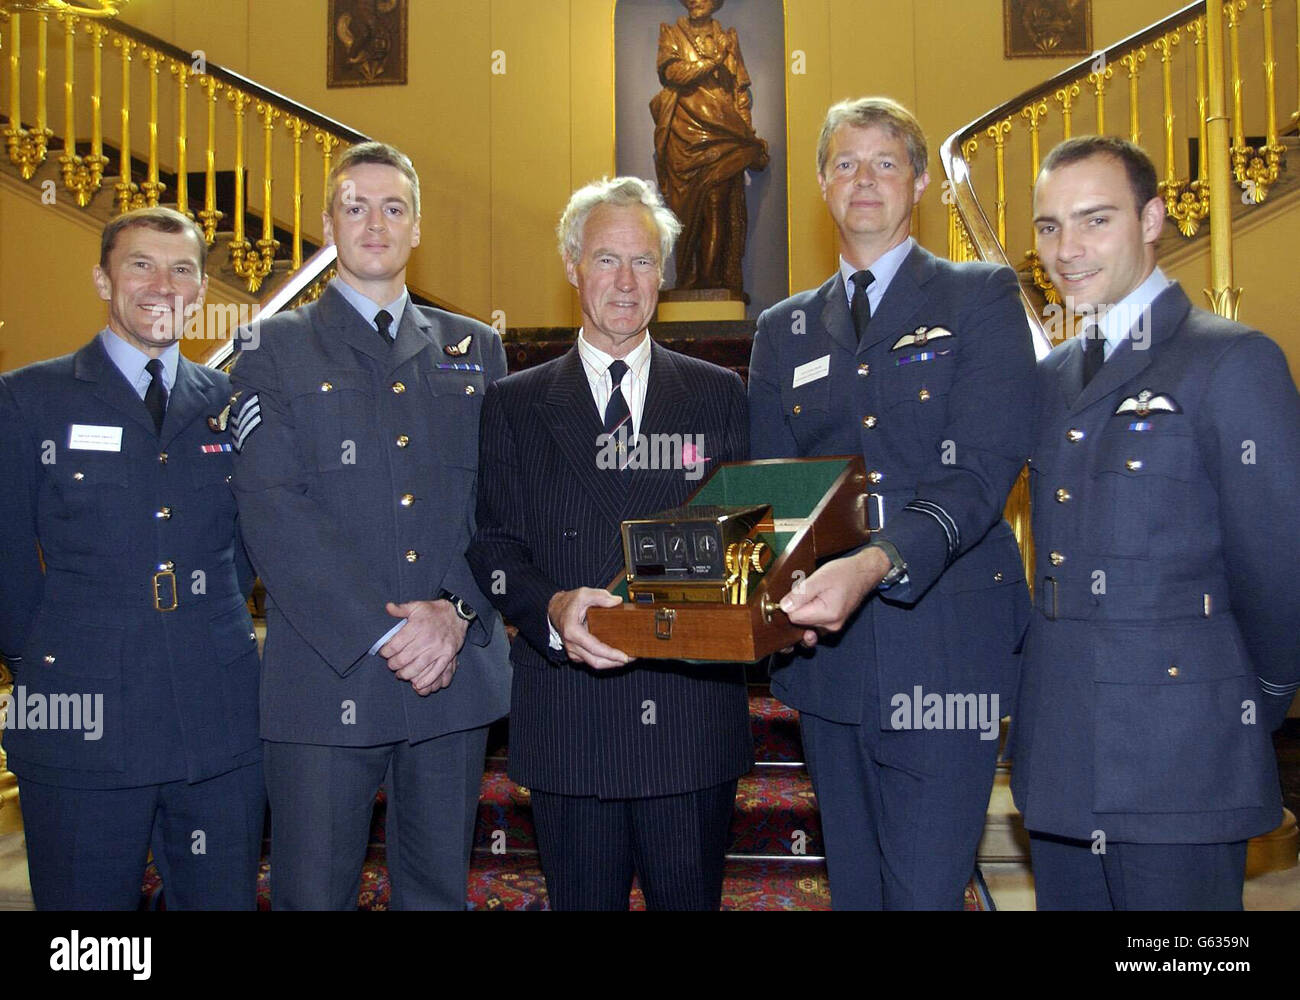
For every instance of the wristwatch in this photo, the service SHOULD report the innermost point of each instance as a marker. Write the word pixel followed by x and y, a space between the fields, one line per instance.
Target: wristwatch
pixel 897 567
pixel 463 611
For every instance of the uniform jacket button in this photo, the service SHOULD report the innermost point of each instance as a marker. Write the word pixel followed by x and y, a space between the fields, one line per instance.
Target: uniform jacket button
pixel 1062 495
pixel 797 409
pixel 869 421
pixel 412 555
pixel 864 369
pixel 402 440
pixel 407 499
pixel 1172 671
pixel 874 476
pixel 1056 558
pixel 49 657
pixel 327 387
pixel 399 387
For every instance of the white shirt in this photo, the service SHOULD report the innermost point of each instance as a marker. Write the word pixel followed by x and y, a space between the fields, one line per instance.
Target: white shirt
pixel 1133 310
pixel 370 309
pixel 636 380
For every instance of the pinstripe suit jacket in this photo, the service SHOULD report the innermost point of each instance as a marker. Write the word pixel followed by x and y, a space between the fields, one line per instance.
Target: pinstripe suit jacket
pixel 548 520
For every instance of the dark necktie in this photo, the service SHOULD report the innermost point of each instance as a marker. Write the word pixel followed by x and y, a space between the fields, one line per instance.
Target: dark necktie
pixel 1094 353
pixel 616 410
pixel 383 321
pixel 155 397
pixel 860 305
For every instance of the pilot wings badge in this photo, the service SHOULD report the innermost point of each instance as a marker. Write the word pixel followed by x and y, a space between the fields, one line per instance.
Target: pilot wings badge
pixel 217 424
pixel 1147 402
pixel 458 350
pixel 921 336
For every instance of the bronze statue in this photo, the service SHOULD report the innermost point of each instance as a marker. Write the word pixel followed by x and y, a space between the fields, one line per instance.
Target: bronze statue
pixel 704 142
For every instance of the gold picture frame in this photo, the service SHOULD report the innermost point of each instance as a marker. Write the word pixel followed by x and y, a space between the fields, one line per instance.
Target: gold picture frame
pixel 367 43
pixel 1046 28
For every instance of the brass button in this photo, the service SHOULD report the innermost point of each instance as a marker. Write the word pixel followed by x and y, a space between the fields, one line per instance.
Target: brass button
pixel 869 422
pixel 162 458
pixel 1133 464
pixel 399 387
pixel 78 476
pixel 997 577
pixel 412 555
pixel 1172 671
pixel 407 499
pixel 797 409
pixel 164 514
pixel 228 478
pixel 1062 495
pixel 864 369
pixel 1056 558
pixel 874 476
pixel 253 636
pixel 469 390
pixel 49 657
pixel 403 440
pixel 166 567
pixel 1074 435
pixel 923 395
pixel 327 387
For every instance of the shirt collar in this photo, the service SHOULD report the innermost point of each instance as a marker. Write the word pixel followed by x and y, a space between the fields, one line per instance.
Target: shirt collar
pixel 368 308
pixel 1132 310
pixel 882 269
pixel 131 361
pixel 598 362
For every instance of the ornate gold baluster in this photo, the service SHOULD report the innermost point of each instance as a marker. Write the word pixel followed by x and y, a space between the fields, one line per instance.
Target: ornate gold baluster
pixel 152 187
pixel 1264 167
pixel 1224 296
pixel 1132 62
pixel 70 166
pixel 1033 114
pixel 14 130
pixel 96 161
pixel 1171 187
pixel 128 196
pixel 328 143
pixel 182 73
pixel 1241 152
pixel 1066 96
pixel 27 147
pixel 240 248
pixel 296 127
pixel 256 267
pixel 210 216
pixel 1193 203
pixel 998 133
pixel 1098 81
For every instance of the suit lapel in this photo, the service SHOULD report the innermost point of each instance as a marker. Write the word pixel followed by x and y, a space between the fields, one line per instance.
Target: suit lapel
pixel 1168 312
pixel 186 401
pixel 569 414
pixel 111 387
pixel 903 299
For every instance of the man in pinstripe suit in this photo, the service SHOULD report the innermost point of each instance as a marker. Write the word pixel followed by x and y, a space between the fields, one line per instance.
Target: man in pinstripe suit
pixel 632 764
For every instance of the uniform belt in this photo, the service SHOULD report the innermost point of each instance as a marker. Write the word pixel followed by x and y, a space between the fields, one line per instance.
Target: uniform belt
pixel 159 591
pixel 1166 603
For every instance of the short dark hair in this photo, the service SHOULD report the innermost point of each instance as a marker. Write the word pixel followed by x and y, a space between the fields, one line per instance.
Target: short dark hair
pixel 373 152
pixel 1141 171
pixel 163 220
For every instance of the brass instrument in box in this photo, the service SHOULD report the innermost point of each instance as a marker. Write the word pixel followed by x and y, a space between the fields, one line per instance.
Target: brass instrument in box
pixel 697 553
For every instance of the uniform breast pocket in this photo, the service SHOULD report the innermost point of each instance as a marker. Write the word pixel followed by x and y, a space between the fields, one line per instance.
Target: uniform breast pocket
pixel 91 504
pixel 1142 480
pixel 337 417
pixel 807 410
pixel 919 380
pixel 457 399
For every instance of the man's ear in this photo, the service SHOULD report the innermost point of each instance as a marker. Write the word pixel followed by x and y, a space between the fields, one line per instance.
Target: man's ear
pixel 415 233
pixel 327 227
pixel 821 183
pixel 102 283
pixel 1153 219
pixel 571 271
pixel 920 185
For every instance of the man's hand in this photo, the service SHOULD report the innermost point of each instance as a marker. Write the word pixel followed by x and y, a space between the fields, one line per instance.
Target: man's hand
pixel 827 598
pixel 424 649
pixel 567 611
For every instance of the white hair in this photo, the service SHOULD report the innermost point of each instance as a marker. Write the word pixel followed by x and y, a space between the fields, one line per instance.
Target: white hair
pixel 617 191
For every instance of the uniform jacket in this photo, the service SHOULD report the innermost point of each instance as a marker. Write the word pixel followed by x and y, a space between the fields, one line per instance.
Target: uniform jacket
pixel 936 399
pixel 549 520
pixel 177 688
pixel 355 481
pixel 1165 643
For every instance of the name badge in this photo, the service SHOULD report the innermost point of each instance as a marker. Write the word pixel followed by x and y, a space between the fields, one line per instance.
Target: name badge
pixel 812 371
pixel 89 437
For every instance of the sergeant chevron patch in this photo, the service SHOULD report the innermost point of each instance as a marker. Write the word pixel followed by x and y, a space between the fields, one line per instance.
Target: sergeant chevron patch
pixel 246 420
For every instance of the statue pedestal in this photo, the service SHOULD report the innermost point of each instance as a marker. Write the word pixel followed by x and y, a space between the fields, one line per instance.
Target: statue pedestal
pixel 700 305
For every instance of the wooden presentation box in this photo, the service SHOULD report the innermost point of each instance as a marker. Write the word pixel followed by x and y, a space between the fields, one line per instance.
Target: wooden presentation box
pixel 819 506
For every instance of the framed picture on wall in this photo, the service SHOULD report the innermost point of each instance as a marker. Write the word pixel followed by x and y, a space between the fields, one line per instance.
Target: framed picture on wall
pixel 1047 28
pixel 367 43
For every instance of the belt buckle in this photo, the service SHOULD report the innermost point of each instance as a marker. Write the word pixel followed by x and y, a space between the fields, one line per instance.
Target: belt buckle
pixel 880 512
pixel 170 577
pixel 1049 609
